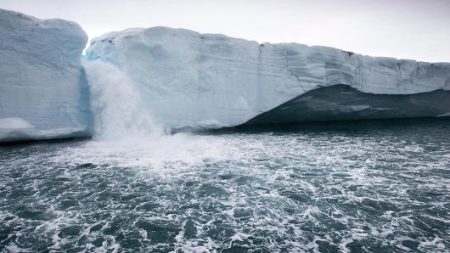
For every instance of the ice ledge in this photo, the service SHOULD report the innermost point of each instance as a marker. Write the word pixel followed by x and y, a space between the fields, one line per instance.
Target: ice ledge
pixel 20 135
pixel 342 102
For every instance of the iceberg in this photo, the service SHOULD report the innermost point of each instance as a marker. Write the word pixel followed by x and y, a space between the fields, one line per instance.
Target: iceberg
pixel 43 89
pixel 150 81
pixel 188 79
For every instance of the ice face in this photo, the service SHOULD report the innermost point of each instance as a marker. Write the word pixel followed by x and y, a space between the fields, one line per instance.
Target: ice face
pixel 144 80
pixel 187 79
pixel 43 89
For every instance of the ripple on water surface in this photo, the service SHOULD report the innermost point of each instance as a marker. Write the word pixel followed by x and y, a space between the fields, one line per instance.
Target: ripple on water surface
pixel 359 187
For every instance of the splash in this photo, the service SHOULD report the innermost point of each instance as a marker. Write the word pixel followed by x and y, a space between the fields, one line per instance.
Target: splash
pixel 163 155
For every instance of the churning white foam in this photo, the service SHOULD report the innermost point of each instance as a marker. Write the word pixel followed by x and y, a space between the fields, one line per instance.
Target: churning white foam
pixel 158 153
pixel 126 134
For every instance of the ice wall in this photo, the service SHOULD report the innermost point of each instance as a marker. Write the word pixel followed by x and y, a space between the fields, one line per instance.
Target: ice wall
pixel 140 81
pixel 43 89
pixel 188 79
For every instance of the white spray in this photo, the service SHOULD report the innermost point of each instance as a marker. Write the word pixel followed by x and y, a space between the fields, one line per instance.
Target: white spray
pixel 119 111
pixel 126 134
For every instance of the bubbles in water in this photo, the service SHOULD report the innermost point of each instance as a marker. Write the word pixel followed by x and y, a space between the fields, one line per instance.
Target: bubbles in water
pixel 367 191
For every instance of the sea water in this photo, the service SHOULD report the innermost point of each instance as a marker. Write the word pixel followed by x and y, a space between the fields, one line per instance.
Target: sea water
pixel 376 186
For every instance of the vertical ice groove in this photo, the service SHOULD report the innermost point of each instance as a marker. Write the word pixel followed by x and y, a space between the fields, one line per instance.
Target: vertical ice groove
pixel 259 84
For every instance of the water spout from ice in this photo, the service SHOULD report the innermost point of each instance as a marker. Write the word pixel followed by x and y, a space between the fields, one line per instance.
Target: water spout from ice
pixel 118 108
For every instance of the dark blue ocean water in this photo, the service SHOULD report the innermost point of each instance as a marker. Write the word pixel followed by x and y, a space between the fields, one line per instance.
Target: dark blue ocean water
pixel 350 187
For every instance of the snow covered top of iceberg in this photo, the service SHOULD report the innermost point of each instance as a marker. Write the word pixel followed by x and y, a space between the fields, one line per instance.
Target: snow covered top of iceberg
pixel 190 79
pixel 42 82
pixel 18 30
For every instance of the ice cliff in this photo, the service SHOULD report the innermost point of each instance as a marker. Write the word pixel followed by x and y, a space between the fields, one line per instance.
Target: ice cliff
pixel 188 79
pixel 142 80
pixel 43 89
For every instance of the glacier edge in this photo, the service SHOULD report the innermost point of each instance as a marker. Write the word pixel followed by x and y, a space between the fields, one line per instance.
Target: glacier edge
pixel 179 79
pixel 194 80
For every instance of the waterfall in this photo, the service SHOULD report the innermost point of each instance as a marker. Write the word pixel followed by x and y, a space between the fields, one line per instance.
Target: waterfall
pixel 125 134
pixel 116 103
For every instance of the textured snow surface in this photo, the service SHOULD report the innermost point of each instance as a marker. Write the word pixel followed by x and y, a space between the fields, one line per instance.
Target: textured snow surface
pixel 187 79
pixel 43 89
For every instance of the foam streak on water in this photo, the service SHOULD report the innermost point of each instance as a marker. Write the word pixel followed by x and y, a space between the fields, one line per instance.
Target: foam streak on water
pixel 358 188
